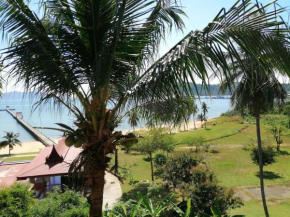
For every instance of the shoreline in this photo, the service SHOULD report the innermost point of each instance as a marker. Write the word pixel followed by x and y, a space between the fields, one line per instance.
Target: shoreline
pixel 182 128
pixel 26 147
pixel 36 146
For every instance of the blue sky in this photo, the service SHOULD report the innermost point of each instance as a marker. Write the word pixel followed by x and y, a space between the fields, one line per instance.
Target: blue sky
pixel 200 13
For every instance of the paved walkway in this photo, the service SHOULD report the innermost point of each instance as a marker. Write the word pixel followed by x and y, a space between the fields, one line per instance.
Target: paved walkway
pixel 112 190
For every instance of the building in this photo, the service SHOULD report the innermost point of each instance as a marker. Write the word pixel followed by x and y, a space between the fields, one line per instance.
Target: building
pixel 49 167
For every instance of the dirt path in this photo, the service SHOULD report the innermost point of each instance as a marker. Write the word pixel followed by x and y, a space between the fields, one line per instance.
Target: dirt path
pixel 273 192
pixel 112 190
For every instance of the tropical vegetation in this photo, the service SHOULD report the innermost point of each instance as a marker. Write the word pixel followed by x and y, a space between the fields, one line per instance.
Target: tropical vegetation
pixel 11 140
pixel 103 53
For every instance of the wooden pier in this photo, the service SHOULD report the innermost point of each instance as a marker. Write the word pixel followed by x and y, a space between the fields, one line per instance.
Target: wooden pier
pixel 38 135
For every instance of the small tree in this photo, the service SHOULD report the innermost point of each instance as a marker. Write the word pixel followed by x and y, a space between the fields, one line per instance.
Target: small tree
pixel 194 112
pixel 197 142
pixel 276 131
pixel 177 169
pixel 287 112
pixel 201 118
pixel 268 155
pixel 204 109
pixel 11 139
pixel 153 140
pixel 133 119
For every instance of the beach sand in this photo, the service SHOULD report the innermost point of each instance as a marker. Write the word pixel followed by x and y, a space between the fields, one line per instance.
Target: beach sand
pixel 183 127
pixel 35 146
pixel 26 147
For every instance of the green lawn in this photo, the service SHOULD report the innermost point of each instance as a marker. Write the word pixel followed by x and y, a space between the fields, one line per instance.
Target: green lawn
pixel 232 166
pixel 13 159
pixel 277 208
pixel 18 157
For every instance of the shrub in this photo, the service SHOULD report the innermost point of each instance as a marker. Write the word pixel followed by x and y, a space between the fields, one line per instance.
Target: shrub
pixel 15 200
pixel 204 195
pixel 154 191
pixel 268 153
pixel 177 169
pixel 160 159
pixel 66 204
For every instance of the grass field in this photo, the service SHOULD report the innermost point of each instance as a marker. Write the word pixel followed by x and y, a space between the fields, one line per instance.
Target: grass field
pixel 232 165
pixel 18 157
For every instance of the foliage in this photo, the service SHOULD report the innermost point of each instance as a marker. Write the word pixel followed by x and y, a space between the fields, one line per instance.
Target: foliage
pixel 153 140
pixel 156 192
pixel 178 169
pixel 142 207
pixel 16 200
pixel 268 153
pixel 11 139
pixel 110 47
pixel 198 142
pixel 160 159
pixel 133 118
pixel 57 203
pixel 201 118
pixel 287 112
pixel 276 132
pixel 204 194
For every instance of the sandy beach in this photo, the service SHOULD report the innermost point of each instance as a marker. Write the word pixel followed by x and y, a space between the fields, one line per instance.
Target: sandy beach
pixel 35 146
pixel 26 147
pixel 191 125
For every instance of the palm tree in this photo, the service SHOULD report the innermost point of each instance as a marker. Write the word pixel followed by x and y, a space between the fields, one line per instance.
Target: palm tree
pixel 10 141
pixel 194 112
pixel 200 117
pixel 133 119
pixel 204 109
pixel 257 91
pixel 104 54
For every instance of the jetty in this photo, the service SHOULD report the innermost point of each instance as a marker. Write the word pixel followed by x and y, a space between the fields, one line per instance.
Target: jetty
pixel 35 133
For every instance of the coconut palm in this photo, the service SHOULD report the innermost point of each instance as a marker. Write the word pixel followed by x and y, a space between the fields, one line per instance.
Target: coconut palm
pixel 194 112
pixel 11 140
pixel 133 119
pixel 257 90
pixel 104 54
pixel 204 109
pixel 201 118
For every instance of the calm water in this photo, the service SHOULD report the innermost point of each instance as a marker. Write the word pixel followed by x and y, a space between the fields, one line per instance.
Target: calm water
pixel 47 116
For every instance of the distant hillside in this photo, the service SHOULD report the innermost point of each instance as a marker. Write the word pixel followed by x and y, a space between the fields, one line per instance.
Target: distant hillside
pixel 15 95
pixel 214 89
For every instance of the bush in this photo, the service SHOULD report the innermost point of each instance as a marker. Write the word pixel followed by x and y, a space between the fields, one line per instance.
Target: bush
pixel 154 191
pixel 177 169
pixel 15 200
pixel 268 153
pixel 66 204
pixel 204 195
pixel 160 159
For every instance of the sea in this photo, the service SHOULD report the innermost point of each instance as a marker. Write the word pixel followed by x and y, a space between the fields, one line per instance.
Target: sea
pixel 48 116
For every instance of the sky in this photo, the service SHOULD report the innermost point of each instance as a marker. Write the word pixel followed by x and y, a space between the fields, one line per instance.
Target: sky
pixel 199 14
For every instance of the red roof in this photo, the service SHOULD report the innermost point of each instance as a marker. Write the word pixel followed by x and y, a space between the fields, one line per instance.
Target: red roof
pixel 8 173
pixel 51 161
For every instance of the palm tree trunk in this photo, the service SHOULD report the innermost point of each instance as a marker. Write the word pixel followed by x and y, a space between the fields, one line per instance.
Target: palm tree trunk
pixel 97 190
pixel 151 162
pixel 116 161
pixel 261 166
pixel 194 124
